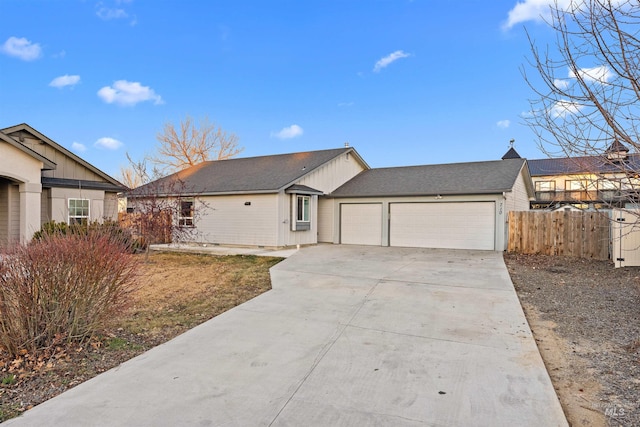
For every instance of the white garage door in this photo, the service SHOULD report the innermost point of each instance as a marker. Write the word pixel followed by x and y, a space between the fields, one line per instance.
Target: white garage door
pixel 465 225
pixel 361 224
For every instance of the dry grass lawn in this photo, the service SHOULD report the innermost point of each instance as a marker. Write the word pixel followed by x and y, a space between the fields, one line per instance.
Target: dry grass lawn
pixel 177 292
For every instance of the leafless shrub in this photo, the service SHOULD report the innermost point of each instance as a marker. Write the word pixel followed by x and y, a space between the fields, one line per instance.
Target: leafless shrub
pixel 62 288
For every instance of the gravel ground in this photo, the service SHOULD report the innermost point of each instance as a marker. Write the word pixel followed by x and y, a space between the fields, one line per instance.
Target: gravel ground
pixel 585 316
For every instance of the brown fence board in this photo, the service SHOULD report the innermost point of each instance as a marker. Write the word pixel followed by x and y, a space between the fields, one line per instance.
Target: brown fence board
pixel 578 234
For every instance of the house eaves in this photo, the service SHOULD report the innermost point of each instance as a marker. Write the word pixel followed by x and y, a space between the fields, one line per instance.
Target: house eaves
pixel 47 164
pixel 48 182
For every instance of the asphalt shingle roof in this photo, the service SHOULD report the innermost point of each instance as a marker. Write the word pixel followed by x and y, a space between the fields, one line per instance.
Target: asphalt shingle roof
pixel 244 175
pixel 445 179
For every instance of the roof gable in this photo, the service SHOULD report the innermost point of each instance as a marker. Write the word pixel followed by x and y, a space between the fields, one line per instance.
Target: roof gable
pixel 511 154
pixel 264 174
pixel 18 129
pixel 445 179
pixel 46 163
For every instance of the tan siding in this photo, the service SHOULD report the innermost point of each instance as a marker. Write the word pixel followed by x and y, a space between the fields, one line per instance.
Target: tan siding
pixel 66 167
pixel 518 199
pixel 288 237
pixel 333 174
pixel 111 206
pixel 59 203
pixel 227 220
pixel 45 206
pixel 325 220
pixel 4 211
pixel 14 213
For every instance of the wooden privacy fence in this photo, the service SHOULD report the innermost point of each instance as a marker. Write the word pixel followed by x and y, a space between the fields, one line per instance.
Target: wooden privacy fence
pixel 153 227
pixel 579 234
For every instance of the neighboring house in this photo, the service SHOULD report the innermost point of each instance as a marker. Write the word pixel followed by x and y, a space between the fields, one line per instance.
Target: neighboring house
pixel 333 196
pixel 587 182
pixel 42 181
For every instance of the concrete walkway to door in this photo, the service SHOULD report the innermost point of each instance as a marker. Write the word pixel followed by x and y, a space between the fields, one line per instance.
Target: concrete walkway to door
pixel 349 336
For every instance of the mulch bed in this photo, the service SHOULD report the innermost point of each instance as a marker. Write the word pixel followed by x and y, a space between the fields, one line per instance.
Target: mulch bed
pixel 596 311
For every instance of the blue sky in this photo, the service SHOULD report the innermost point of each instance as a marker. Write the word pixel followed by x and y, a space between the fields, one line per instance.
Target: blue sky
pixel 404 82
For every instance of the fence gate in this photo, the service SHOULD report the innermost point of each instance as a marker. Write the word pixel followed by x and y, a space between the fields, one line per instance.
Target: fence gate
pixel 625 233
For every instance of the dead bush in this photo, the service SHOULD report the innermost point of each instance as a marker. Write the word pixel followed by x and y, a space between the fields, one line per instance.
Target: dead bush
pixel 62 288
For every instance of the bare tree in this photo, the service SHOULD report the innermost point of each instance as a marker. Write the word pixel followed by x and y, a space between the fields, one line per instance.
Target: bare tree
pixel 587 88
pixel 163 211
pixel 192 143
pixel 137 173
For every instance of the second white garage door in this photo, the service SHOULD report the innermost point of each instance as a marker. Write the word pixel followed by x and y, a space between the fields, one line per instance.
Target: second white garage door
pixel 361 224
pixel 464 225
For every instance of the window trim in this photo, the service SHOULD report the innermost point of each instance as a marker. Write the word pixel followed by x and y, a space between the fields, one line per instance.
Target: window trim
pixel 186 221
pixel 300 214
pixel 78 219
pixel 300 221
pixel 551 183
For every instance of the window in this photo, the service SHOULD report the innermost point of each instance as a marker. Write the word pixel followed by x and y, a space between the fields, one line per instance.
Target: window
pixel 186 213
pixel 78 211
pixel 300 212
pixel 303 208
pixel 545 186
pixel 576 185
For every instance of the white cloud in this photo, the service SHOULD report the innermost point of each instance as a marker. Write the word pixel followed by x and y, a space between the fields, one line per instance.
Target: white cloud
pixel 392 57
pixel 110 13
pixel 108 143
pixel 561 84
pixel 540 10
pixel 76 146
pixel 503 124
pixel 601 74
pixel 128 93
pixel 65 80
pixel 564 108
pixel 107 14
pixel 346 104
pixel 21 48
pixel 533 10
pixel 292 131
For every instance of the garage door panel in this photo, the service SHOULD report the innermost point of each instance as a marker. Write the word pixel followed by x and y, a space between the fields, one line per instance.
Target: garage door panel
pixel 361 224
pixel 464 225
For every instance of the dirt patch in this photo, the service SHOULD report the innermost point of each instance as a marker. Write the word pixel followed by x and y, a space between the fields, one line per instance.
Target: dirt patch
pixel 585 317
pixel 177 292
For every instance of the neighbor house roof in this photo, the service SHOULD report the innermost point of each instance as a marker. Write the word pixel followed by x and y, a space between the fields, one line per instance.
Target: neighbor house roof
pixel 584 164
pixel 445 179
pixel 264 174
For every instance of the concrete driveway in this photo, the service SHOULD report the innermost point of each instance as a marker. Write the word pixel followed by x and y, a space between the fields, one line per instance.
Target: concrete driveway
pixel 349 336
